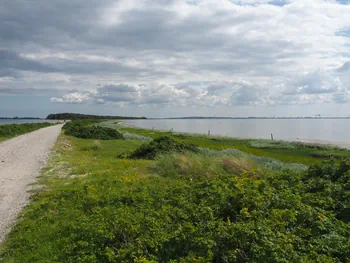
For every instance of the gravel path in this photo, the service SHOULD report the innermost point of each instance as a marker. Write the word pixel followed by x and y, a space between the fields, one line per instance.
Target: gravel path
pixel 21 160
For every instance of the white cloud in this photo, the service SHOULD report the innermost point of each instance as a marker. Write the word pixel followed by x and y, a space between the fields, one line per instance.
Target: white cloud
pixel 75 97
pixel 203 53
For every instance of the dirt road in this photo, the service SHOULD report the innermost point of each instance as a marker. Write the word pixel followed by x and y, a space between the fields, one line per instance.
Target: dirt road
pixel 21 160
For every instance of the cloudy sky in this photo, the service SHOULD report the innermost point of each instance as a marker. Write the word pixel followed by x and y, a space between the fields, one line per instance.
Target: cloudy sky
pixel 159 58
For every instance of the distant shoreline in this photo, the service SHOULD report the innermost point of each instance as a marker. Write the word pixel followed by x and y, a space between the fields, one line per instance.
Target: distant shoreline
pixel 20 118
pixel 251 118
pixel 340 144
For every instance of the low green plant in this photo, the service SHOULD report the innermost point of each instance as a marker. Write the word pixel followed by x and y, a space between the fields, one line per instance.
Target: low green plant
pixel 86 130
pixel 120 213
pixel 12 130
pixel 95 146
pixel 132 136
pixel 264 144
pixel 287 152
pixel 197 165
pixel 262 161
pixel 161 145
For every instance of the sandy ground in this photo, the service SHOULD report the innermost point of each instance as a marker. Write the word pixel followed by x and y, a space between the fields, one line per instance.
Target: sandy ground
pixel 21 160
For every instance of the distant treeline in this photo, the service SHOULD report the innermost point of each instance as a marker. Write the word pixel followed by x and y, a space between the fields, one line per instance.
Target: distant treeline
pixel 77 116
pixel 19 118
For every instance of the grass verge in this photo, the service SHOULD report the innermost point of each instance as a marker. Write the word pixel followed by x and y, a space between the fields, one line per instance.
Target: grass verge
pixel 8 131
pixel 291 152
pixel 93 207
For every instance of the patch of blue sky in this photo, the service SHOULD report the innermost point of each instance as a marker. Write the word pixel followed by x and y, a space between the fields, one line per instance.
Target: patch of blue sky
pixel 345 32
pixel 343 2
pixel 272 2
pixel 279 2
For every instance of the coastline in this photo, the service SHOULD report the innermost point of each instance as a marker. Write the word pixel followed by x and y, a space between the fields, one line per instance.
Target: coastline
pixel 342 145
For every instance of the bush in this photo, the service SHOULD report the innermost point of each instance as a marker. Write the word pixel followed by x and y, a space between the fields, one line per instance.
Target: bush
pixel 161 145
pixel 84 130
pixel 11 130
pixel 277 218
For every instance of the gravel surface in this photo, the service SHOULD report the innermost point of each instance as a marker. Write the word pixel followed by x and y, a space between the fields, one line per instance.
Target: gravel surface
pixel 21 160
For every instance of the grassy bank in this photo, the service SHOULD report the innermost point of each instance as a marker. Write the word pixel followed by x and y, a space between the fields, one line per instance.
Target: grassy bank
pixel 292 152
pixel 95 203
pixel 8 131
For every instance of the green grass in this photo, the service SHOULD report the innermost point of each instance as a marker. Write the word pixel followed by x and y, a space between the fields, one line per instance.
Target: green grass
pixel 212 206
pixel 297 153
pixel 8 131
pixel 93 207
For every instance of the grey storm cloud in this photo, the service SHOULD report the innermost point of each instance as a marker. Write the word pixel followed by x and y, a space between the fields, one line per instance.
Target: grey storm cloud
pixel 11 61
pixel 117 88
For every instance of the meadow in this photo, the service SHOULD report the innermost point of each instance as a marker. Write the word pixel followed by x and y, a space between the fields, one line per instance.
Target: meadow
pixel 291 152
pixel 162 197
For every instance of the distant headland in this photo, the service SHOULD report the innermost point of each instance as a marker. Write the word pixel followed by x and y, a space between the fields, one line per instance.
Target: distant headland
pixel 78 116
pixel 19 118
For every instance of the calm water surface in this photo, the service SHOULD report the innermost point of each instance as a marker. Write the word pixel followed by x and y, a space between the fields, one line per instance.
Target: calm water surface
pixel 323 130
pixel 10 121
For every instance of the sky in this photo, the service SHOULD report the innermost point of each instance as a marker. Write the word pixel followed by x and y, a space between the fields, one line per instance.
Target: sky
pixel 173 58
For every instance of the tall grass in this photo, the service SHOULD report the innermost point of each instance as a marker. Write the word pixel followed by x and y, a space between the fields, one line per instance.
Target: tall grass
pixel 197 165
pixel 267 144
pixel 127 135
pixel 262 161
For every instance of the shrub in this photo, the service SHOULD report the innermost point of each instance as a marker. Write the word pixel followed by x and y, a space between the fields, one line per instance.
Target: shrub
pixel 11 130
pixel 161 145
pixel 122 216
pixel 94 132
pixel 84 130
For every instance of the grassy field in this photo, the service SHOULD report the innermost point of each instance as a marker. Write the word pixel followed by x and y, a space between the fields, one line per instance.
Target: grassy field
pixel 8 131
pixel 285 151
pixel 210 206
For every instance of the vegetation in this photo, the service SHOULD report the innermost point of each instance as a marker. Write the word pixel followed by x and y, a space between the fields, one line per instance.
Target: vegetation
pixel 291 152
pixel 159 146
pixel 11 130
pixel 77 116
pixel 86 130
pixel 207 205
